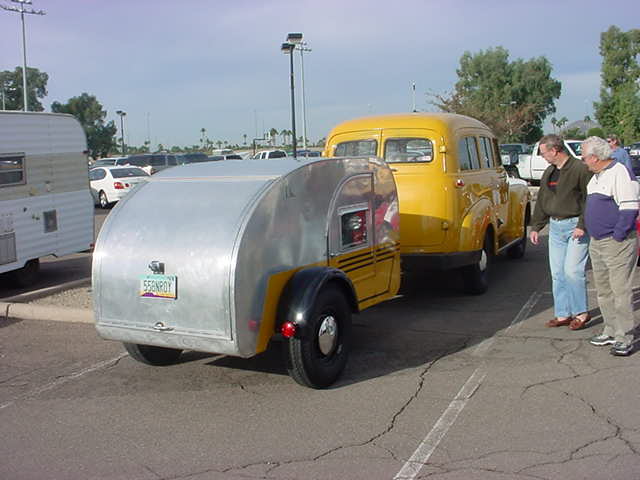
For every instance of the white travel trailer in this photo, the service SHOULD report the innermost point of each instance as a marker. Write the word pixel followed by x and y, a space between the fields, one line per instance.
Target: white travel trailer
pixel 45 200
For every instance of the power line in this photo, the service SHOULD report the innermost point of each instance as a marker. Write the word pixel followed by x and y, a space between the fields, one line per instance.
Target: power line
pixel 21 10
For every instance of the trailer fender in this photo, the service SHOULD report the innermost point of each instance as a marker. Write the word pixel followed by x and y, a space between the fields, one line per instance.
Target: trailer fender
pixel 301 291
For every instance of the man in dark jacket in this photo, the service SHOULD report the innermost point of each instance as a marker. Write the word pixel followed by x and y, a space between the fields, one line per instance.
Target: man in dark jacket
pixel 560 203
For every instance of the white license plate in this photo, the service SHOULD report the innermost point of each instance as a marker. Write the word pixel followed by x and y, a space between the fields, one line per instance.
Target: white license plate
pixel 158 286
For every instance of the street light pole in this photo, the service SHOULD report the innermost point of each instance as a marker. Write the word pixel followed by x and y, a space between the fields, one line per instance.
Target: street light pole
pixel 288 48
pixel 303 48
pixel 122 114
pixel 22 11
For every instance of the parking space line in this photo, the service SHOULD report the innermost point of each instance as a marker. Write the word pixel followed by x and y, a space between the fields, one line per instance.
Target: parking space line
pixel 421 455
pixel 63 380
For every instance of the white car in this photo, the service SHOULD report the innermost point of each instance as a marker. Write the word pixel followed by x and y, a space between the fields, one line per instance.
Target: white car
pixel 269 154
pixel 110 184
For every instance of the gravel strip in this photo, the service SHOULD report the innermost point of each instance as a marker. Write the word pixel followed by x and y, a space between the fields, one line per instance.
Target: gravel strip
pixel 74 298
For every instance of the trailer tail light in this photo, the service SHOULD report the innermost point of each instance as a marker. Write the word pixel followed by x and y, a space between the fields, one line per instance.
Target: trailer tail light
pixel 118 185
pixel 288 329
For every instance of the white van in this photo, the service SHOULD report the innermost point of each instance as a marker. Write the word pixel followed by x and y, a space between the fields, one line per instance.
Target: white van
pixel 45 200
pixel 531 167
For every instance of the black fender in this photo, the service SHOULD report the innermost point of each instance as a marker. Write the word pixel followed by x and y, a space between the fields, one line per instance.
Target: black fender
pixel 300 292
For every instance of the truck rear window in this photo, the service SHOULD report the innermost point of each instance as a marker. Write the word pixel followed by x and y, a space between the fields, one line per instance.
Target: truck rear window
pixel 399 150
pixel 356 148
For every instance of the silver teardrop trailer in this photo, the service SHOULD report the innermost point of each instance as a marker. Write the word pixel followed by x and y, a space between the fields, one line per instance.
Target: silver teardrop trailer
pixel 221 257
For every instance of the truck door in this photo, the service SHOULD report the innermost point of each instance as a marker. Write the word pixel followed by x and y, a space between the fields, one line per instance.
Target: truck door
pixel 351 233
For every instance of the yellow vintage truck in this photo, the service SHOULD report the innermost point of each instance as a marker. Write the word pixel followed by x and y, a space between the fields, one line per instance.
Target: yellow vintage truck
pixel 458 207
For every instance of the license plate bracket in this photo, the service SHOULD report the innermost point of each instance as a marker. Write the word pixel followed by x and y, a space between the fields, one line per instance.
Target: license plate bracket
pixel 159 286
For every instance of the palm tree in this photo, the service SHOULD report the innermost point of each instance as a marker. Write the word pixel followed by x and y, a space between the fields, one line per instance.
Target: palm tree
pixel 272 134
pixel 202 132
pixel 554 122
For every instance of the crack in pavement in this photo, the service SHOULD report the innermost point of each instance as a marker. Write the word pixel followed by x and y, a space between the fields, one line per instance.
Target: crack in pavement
pixel 272 466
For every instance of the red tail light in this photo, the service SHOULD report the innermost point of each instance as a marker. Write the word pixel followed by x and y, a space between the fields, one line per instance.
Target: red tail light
pixel 118 185
pixel 288 329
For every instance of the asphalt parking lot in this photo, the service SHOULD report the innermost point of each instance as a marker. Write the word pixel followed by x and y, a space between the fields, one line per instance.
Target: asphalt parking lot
pixel 439 385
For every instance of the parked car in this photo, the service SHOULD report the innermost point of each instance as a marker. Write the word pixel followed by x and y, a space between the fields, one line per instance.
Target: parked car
pixel 231 156
pixel 458 209
pixel 150 162
pixel 267 154
pixel 110 184
pixel 634 149
pixel 104 162
pixel 193 157
pixel 509 152
pixel 308 153
pixel 531 167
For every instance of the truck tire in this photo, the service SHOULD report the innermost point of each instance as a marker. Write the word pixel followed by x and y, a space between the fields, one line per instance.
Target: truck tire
pixel 518 250
pixel 476 276
pixel 317 358
pixel 27 275
pixel 103 200
pixel 152 355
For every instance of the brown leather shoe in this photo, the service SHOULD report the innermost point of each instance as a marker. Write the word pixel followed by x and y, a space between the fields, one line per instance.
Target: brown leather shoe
pixel 579 323
pixel 556 322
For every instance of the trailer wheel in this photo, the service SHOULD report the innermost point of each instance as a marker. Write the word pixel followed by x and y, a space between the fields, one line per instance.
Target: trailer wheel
pixel 27 275
pixel 103 200
pixel 317 358
pixel 476 276
pixel 152 355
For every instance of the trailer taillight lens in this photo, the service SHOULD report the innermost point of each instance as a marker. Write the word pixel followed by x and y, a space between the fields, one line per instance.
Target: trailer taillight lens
pixel 288 329
pixel 118 185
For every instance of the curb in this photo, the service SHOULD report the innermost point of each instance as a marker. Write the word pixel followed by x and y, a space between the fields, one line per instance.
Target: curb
pixel 16 307
pixel 25 311
pixel 45 292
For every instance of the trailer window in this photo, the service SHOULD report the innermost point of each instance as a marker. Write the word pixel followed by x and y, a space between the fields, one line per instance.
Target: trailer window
pixel 400 150
pixel 356 148
pixel 12 169
pixel 353 227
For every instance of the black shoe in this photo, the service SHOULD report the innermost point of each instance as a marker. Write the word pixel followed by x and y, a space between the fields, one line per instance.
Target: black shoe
pixel 621 349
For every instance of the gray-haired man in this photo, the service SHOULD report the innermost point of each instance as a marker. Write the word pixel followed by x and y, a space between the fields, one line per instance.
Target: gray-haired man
pixel 610 217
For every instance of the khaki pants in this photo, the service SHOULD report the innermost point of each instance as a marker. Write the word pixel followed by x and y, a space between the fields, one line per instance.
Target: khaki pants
pixel 614 264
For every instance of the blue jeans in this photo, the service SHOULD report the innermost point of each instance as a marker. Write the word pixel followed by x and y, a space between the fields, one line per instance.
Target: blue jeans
pixel 567 261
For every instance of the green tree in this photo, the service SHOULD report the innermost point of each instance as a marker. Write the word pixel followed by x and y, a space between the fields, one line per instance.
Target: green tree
pixel 596 132
pixel 11 88
pixel 513 98
pixel 618 110
pixel 88 111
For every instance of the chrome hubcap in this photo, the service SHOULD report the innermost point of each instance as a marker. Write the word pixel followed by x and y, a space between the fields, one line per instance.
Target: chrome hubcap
pixel 327 334
pixel 482 264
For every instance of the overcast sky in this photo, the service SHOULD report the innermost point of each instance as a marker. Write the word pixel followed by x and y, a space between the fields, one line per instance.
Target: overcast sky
pixel 177 67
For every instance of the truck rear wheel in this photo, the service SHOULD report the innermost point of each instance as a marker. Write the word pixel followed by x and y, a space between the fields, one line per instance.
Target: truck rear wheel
pixel 317 358
pixel 152 355
pixel 476 276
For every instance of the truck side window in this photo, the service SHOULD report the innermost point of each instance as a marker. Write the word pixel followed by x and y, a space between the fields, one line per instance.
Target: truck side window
pixel 473 152
pixel 11 169
pixel 399 150
pixel 464 160
pixel 487 153
pixel 356 148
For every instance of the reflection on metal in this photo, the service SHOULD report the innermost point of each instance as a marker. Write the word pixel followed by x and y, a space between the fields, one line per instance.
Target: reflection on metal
pixel 327 335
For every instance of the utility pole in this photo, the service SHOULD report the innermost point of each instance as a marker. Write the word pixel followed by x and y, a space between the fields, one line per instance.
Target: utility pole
pixel 21 10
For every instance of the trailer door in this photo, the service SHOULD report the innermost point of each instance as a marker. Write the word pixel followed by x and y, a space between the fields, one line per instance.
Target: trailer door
pixel 351 233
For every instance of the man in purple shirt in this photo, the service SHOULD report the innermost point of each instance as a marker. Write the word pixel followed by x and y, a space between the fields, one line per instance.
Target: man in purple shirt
pixel 610 218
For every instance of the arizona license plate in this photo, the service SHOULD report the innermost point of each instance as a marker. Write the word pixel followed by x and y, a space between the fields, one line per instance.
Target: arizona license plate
pixel 158 286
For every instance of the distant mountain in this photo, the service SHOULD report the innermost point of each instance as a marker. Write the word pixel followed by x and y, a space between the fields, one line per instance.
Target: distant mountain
pixel 582 126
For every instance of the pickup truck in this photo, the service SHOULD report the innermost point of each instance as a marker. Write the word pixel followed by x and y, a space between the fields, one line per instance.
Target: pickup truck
pixel 531 167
